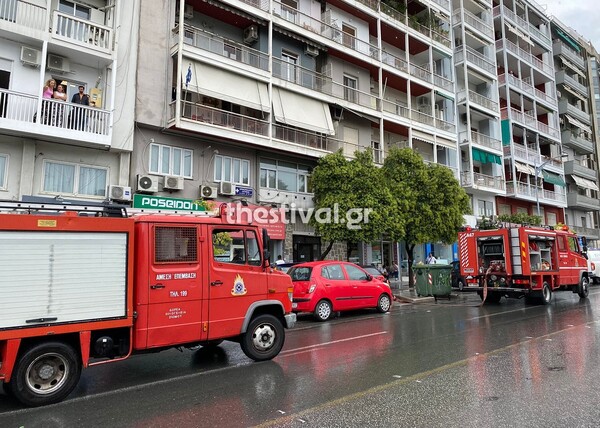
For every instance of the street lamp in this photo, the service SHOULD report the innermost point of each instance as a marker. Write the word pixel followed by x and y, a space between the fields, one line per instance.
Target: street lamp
pixel 538 169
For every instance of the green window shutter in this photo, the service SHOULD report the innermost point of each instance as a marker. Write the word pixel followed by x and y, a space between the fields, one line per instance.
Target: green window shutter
pixel 553 178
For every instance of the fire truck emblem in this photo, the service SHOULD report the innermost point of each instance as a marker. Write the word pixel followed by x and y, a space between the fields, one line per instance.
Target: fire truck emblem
pixel 239 288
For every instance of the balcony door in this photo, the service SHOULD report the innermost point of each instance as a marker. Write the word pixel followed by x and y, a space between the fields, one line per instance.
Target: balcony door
pixel 289 66
pixel 4 84
pixel 72 27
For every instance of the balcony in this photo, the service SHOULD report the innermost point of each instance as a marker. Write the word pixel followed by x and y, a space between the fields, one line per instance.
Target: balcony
pixel 299 75
pixel 54 120
pixel 520 152
pixel 475 22
pixel 443 82
pixel 562 78
pixel 575 200
pixel 482 140
pixel 81 32
pixel 526 56
pixel 483 182
pixel 574 167
pixel 475 58
pixel 581 145
pixel 260 4
pixel 527 28
pixel 207 115
pixel 20 16
pixel 215 44
pixel 444 4
pixel 529 191
pixel 403 19
pixel 526 119
pixel 559 48
pixel 421 72
pixel 576 112
pixel 401 110
pixel 479 100
pixel 588 232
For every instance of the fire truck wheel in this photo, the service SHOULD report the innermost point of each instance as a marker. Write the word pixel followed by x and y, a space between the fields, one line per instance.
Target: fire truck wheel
pixel 46 373
pixel 546 294
pixel 264 338
pixel 584 287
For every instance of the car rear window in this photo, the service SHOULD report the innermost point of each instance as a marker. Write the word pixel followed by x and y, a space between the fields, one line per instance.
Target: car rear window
pixel 300 273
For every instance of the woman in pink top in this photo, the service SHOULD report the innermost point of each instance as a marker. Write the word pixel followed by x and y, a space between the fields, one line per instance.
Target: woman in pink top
pixel 59 109
pixel 47 93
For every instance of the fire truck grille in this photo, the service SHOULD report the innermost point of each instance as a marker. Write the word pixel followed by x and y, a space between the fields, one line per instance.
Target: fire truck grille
pixel 175 245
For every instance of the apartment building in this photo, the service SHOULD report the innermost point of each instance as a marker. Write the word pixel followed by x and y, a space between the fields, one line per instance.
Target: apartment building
pixel 478 107
pixel 572 62
pixel 253 92
pixel 51 147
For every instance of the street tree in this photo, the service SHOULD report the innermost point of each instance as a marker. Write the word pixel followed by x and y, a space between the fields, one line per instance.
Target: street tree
pixel 356 191
pixel 430 198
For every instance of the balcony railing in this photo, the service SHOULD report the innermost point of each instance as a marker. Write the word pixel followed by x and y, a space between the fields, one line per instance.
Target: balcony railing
pixel 560 48
pixel 483 101
pixel 563 78
pixel 526 87
pixel 443 82
pixel 527 27
pixel 588 232
pixel 397 109
pixel 475 22
pixel 212 116
pixel 394 61
pixel 299 75
pixel 22 108
pixel 526 56
pixel 421 117
pixel 421 72
pixel 23 13
pixel 578 143
pixel 445 4
pixel 482 140
pixel 565 107
pixel 82 32
pixel 260 4
pixel 530 191
pixel 220 46
pixel 482 180
pixel 474 58
pixel 528 120
pixel 445 125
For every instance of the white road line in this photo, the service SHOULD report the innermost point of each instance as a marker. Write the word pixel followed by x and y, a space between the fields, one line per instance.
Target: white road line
pixel 305 348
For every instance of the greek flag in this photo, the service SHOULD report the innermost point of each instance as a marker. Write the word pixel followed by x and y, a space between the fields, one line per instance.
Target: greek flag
pixel 188 76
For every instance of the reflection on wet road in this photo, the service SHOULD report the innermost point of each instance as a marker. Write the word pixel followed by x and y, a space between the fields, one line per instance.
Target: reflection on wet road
pixel 451 363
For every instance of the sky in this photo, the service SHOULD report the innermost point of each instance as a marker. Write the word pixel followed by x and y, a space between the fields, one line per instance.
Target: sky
pixel 581 15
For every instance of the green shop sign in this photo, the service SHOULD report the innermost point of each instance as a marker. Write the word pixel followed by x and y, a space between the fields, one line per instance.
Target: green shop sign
pixel 161 203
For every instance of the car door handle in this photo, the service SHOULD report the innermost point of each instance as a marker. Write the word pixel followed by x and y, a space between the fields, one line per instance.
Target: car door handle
pixel 327 285
pixel 217 282
pixel 157 286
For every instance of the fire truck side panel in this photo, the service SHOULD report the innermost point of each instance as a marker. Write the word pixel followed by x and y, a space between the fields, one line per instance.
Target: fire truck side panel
pixel 234 287
pixel 467 247
pixel 515 253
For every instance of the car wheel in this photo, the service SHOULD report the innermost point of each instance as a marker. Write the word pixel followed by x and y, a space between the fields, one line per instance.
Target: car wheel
pixel 546 294
pixel 46 373
pixel 384 303
pixel 263 339
pixel 584 287
pixel 323 310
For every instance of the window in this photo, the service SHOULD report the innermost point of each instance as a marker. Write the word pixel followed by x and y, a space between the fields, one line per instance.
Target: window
pixel 349 36
pixel 74 179
pixel 169 160
pixel 231 169
pixel 376 151
pixel 287 176
pixel 3 171
pixel 355 274
pixel 289 10
pixel 74 9
pixel 236 246
pixel 69 27
pixel 175 245
pixel 289 64
pixel 350 86
pixel 573 246
pixel 332 272
pixel 504 209
pixel 486 208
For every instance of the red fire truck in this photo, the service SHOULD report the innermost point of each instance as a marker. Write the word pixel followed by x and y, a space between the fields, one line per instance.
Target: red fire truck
pixel 522 261
pixel 78 288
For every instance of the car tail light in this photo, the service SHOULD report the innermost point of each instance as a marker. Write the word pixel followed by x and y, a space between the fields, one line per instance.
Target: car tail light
pixel 291 293
pixel 312 288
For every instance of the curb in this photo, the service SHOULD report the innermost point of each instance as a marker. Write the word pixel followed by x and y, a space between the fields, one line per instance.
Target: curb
pixel 414 300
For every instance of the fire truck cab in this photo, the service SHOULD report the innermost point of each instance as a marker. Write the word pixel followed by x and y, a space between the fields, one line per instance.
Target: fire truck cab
pixel 80 288
pixel 522 261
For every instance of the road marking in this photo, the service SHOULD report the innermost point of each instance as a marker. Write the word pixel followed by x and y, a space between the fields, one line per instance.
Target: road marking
pixel 288 352
pixel 381 388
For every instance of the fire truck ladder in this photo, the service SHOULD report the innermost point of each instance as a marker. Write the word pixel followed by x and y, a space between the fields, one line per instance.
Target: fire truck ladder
pixel 83 209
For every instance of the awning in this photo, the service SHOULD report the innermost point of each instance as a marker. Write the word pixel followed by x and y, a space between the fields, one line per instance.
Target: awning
pixel 484 157
pixel 567 39
pixel 304 112
pixel 572 66
pixel 520 34
pixel 578 124
pixel 585 183
pixel 225 85
pixel 575 93
pixel 525 169
pixel 553 178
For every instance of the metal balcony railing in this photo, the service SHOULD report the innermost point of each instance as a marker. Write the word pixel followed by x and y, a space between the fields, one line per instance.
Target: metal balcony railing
pixel 489 181
pixel 401 110
pixel 23 13
pixel 394 61
pixel 443 82
pixel 445 4
pixel 526 56
pixel 475 58
pixel 299 75
pixel 528 120
pixel 82 32
pixel 421 72
pixel 560 48
pixel 527 27
pixel 260 4
pixel 483 101
pixel 482 140
pixel 422 117
pixel 474 21
pixel 213 116
pixel 523 189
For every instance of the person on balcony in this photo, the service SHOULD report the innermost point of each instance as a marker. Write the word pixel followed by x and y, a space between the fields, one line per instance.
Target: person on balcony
pixel 77 116
pixel 59 110
pixel 47 93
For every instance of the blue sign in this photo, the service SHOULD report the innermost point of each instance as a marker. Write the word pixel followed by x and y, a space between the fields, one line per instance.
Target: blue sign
pixel 244 191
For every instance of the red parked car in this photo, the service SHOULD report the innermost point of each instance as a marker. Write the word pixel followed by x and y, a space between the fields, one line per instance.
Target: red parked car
pixel 324 287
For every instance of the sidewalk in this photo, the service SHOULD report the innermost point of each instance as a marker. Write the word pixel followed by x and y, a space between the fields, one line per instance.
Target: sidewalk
pixel 404 294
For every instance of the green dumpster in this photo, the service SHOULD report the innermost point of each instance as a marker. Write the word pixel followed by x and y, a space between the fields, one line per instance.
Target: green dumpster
pixel 433 280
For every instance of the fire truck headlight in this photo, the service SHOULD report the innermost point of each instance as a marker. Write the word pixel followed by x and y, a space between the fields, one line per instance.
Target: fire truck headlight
pixel 503 280
pixel 493 277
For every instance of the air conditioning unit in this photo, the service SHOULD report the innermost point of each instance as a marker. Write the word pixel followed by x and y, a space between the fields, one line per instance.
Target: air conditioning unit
pixel 147 183
pixel 311 50
pixel 30 56
pixel 58 63
pixel 226 188
pixel 188 12
pixel 173 183
pixel 208 192
pixel 251 34
pixel 119 193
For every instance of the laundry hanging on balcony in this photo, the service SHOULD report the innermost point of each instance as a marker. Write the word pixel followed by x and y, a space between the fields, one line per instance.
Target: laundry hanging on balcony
pixel 552 178
pixel 485 157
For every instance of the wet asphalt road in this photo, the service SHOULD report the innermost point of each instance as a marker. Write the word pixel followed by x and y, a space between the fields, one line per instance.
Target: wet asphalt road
pixel 452 363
